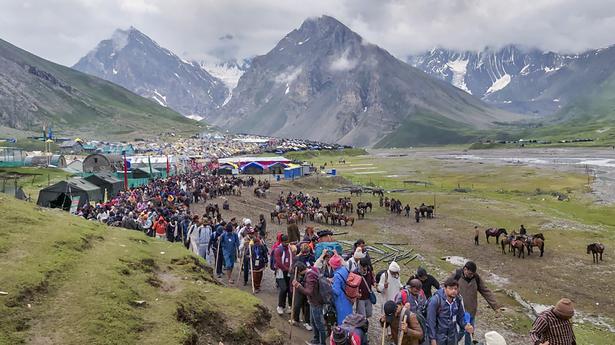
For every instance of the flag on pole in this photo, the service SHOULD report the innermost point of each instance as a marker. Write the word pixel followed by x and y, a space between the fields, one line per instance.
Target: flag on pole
pixel 149 162
pixel 125 172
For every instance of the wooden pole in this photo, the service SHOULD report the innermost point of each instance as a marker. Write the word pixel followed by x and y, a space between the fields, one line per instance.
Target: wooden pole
pixel 251 266
pixel 384 329
pixel 401 332
pixel 241 267
pixel 292 308
pixel 217 253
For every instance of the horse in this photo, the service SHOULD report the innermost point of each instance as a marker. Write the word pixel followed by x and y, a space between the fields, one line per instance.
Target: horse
pixel 427 211
pixel 507 241
pixel 518 244
pixel 378 191
pixel 537 240
pixel 368 205
pixel 595 248
pixel 280 216
pixel 346 219
pixel 360 213
pixel 357 191
pixel 493 232
pixel 259 193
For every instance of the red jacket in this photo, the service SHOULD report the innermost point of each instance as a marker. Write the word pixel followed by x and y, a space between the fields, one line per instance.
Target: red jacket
pixel 160 226
pixel 289 258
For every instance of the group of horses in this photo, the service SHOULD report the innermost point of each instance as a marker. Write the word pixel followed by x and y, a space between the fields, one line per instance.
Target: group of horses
pixel 517 244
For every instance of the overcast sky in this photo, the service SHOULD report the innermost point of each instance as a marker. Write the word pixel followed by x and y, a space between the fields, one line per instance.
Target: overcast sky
pixel 65 30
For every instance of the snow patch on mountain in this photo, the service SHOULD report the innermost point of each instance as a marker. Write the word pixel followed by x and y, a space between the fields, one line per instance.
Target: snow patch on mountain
pixel 162 100
pixel 499 84
pixel 195 117
pixel 459 68
pixel 227 72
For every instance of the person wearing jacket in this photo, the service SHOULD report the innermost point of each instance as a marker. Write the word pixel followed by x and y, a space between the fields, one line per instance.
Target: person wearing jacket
pixel 364 304
pixel 413 295
pixel 213 245
pixel 470 284
pixel 389 284
pixel 260 260
pixel 445 312
pixel 229 246
pixel 160 226
pixel 343 307
pixel 411 329
pixel 311 290
pixel 301 302
pixel 284 258
pixel 427 280
pixel 553 326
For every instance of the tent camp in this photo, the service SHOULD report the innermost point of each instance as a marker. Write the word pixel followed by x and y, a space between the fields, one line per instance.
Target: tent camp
pixel 226 169
pixel 277 168
pixel 60 195
pixel 103 163
pixel 252 168
pixel 107 181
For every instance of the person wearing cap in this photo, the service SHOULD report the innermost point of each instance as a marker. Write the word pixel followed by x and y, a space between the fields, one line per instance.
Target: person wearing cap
pixel 393 317
pixel 342 304
pixel 364 303
pixel 445 312
pixel 554 325
pixel 427 280
pixel 413 296
pixel 353 262
pixel 389 284
pixel 470 284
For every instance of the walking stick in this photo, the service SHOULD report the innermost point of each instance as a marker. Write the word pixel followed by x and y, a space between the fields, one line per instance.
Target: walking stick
pixel 384 329
pixel 240 267
pixel 251 267
pixel 292 308
pixel 217 254
pixel 401 332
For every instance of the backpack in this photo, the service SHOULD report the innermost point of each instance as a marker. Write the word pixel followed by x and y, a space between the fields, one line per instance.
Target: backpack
pixel 351 286
pixel 325 289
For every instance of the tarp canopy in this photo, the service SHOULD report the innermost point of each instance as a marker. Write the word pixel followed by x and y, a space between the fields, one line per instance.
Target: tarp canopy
pixel 60 195
pixel 107 181
pixel 252 168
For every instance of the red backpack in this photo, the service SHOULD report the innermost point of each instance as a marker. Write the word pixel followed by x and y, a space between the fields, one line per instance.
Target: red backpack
pixel 351 288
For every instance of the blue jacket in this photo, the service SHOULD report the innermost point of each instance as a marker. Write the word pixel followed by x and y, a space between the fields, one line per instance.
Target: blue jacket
pixel 443 319
pixel 343 307
pixel 230 244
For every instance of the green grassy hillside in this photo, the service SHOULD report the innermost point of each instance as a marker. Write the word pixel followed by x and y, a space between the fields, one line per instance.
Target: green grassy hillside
pixel 37 90
pixel 70 281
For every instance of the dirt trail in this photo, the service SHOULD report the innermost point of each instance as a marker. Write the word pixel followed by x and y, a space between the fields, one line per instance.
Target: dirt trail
pixel 432 239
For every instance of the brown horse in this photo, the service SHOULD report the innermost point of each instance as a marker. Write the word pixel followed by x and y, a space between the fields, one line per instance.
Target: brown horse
pixel 537 240
pixel 506 241
pixel 596 249
pixel 346 220
pixel 493 232
pixel 518 244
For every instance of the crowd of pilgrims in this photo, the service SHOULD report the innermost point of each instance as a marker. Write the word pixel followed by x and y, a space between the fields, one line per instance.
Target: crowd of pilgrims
pixel 335 292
